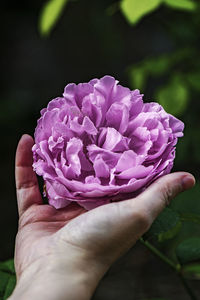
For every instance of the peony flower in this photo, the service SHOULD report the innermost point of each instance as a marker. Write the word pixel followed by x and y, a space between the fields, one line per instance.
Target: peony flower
pixel 100 143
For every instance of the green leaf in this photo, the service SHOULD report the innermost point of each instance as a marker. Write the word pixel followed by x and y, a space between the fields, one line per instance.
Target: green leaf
pixel 50 14
pixel 187 202
pixel 137 77
pixel 188 217
pixel 191 271
pixel 174 96
pixel 7 279
pixel 159 65
pixel 166 226
pixel 188 250
pixel 8 265
pixel 134 10
pixel 181 4
pixel 194 79
pixel 139 73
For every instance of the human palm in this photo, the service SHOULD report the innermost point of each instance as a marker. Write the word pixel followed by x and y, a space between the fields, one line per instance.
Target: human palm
pixel 38 231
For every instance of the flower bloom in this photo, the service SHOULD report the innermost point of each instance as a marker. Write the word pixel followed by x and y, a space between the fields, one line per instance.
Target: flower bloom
pixel 100 143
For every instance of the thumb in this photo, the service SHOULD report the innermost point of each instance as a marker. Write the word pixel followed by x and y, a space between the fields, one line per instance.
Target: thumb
pixel 135 216
pixel 159 194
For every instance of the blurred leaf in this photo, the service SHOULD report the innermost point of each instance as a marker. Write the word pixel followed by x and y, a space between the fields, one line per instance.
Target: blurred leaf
pixel 194 80
pixel 8 265
pixel 149 67
pixel 174 96
pixel 137 77
pixel 195 139
pixel 158 65
pixel 112 9
pixel 189 250
pixel 7 279
pixel 134 10
pixel 187 202
pixel 166 226
pixel 192 271
pixel 188 217
pixel 50 15
pixel 181 4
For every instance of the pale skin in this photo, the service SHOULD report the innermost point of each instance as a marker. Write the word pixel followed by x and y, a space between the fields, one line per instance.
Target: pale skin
pixel 63 254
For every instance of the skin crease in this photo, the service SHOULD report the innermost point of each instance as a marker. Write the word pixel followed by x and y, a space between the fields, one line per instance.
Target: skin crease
pixel 63 254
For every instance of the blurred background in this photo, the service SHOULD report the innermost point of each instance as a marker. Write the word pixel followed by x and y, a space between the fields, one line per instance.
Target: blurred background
pixel 155 49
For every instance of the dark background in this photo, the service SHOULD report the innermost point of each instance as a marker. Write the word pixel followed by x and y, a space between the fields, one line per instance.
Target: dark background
pixel 89 43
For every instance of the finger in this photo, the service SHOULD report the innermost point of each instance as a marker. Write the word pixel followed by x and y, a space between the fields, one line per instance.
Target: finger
pixel 26 181
pixel 159 194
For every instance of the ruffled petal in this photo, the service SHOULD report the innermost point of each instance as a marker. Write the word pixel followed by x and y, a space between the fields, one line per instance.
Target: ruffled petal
pixel 135 172
pixel 73 147
pixel 176 125
pixel 88 126
pixel 136 103
pixel 108 156
pixel 90 109
pixel 101 168
pixel 104 85
pixel 128 159
pixel 118 116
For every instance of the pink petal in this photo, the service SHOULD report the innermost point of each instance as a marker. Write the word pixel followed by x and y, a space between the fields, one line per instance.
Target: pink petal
pixel 135 172
pixel 117 116
pixel 128 159
pixel 101 168
pixel 73 147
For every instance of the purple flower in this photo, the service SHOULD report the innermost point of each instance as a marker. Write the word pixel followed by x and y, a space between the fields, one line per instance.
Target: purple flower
pixel 100 143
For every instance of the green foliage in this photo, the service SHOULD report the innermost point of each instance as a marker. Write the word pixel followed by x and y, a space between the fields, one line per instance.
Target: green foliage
pixel 192 271
pixel 194 80
pixel 173 96
pixel 189 250
pixel 165 227
pixel 181 4
pixel 188 217
pixel 137 77
pixel 7 279
pixel 154 67
pixel 134 10
pixel 139 73
pixel 187 203
pixel 50 14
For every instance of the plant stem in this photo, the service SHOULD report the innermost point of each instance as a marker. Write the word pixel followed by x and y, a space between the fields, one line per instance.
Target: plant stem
pixel 174 266
pixel 187 287
pixel 163 257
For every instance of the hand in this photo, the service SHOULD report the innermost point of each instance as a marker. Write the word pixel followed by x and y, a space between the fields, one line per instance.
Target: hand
pixel 63 254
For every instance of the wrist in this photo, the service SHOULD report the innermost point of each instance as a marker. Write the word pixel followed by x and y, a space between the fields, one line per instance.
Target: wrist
pixel 59 278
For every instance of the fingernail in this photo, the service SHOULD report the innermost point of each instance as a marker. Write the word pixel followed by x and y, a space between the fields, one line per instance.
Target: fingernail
pixel 188 182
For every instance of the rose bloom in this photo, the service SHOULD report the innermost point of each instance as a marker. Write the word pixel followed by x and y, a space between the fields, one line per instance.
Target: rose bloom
pixel 100 143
